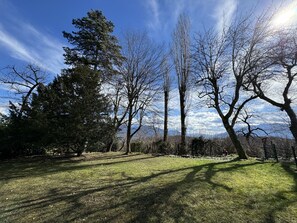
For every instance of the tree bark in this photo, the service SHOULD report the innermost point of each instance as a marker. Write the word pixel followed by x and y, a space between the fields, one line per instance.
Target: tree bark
pixel 128 144
pixel 166 98
pixel 111 143
pixel 129 130
pixel 286 106
pixel 182 149
pixel 293 119
pixel 236 143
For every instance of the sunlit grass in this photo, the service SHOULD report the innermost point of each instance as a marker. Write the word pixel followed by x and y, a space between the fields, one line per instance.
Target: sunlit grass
pixel 142 188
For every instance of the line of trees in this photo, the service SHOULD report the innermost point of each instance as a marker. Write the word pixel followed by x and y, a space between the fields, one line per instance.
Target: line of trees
pixel 108 87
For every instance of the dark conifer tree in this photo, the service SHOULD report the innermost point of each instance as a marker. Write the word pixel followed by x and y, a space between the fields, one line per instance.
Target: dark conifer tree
pixel 75 111
pixel 93 44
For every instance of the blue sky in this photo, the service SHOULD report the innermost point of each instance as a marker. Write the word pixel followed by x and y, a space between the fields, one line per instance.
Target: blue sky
pixel 31 32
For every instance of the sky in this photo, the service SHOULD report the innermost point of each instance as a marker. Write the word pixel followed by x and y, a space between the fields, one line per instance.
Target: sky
pixel 31 32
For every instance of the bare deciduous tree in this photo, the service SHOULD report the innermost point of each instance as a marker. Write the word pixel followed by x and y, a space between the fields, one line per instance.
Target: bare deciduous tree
pixel 282 59
pixel 182 62
pixel 23 82
pixel 141 77
pixel 222 61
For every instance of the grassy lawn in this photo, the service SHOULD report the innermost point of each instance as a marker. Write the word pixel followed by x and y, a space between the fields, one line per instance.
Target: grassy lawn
pixel 142 188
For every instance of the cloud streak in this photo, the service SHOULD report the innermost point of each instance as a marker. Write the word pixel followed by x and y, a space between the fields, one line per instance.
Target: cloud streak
pixel 24 42
pixel 224 13
pixel 162 15
pixel 17 49
pixel 39 50
pixel 153 6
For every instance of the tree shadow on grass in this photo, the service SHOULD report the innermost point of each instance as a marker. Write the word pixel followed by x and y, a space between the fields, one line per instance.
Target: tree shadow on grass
pixel 283 200
pixel 89 157
pixel 158 204
pixel 134 199
pixel 17 169
pixel 139 199
pixel 177 212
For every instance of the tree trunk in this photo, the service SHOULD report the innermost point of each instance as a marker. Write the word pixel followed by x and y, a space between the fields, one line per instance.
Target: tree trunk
pixel 265 148
pixel 111 143
pixel 166 97
pixel 128 144
pixel 293 119
pixel 294 154
pixel 239 149
pixel 182 148
pixel 79 152
pixel 129 126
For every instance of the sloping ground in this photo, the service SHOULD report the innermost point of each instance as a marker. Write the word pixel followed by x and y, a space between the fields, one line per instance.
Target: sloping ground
pixel 142 188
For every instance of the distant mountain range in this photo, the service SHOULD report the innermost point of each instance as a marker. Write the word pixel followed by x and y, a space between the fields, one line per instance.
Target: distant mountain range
pixel 148 131
pixel 274 130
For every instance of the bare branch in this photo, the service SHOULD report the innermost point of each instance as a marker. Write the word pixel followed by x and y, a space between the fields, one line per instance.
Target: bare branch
pixel 23 82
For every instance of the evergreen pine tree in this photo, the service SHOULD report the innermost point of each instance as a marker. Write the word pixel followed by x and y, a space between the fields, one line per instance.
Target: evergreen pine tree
pixel 93 44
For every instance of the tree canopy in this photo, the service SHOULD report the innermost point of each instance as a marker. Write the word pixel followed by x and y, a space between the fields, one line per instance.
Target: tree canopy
pixel 75 111
pixel 93 44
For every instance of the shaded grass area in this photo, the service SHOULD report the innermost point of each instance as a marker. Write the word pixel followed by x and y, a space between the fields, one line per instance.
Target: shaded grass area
pixel 141 188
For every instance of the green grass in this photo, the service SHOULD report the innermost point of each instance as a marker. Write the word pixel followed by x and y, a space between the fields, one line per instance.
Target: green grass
pixel 142 188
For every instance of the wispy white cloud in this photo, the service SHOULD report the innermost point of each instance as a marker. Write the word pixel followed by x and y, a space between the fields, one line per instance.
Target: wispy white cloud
pixel 154 22
pixel 18 50
pixel 20 40
pixel 162 15
pixel 39 49
pixel 177 7
pixel 223 14
pixel 25 42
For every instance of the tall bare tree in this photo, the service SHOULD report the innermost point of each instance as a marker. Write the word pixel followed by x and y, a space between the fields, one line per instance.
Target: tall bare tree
pixel 222 61
pixel 141 77
pixel 282 69
pixel 166 91
pixel 182 62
